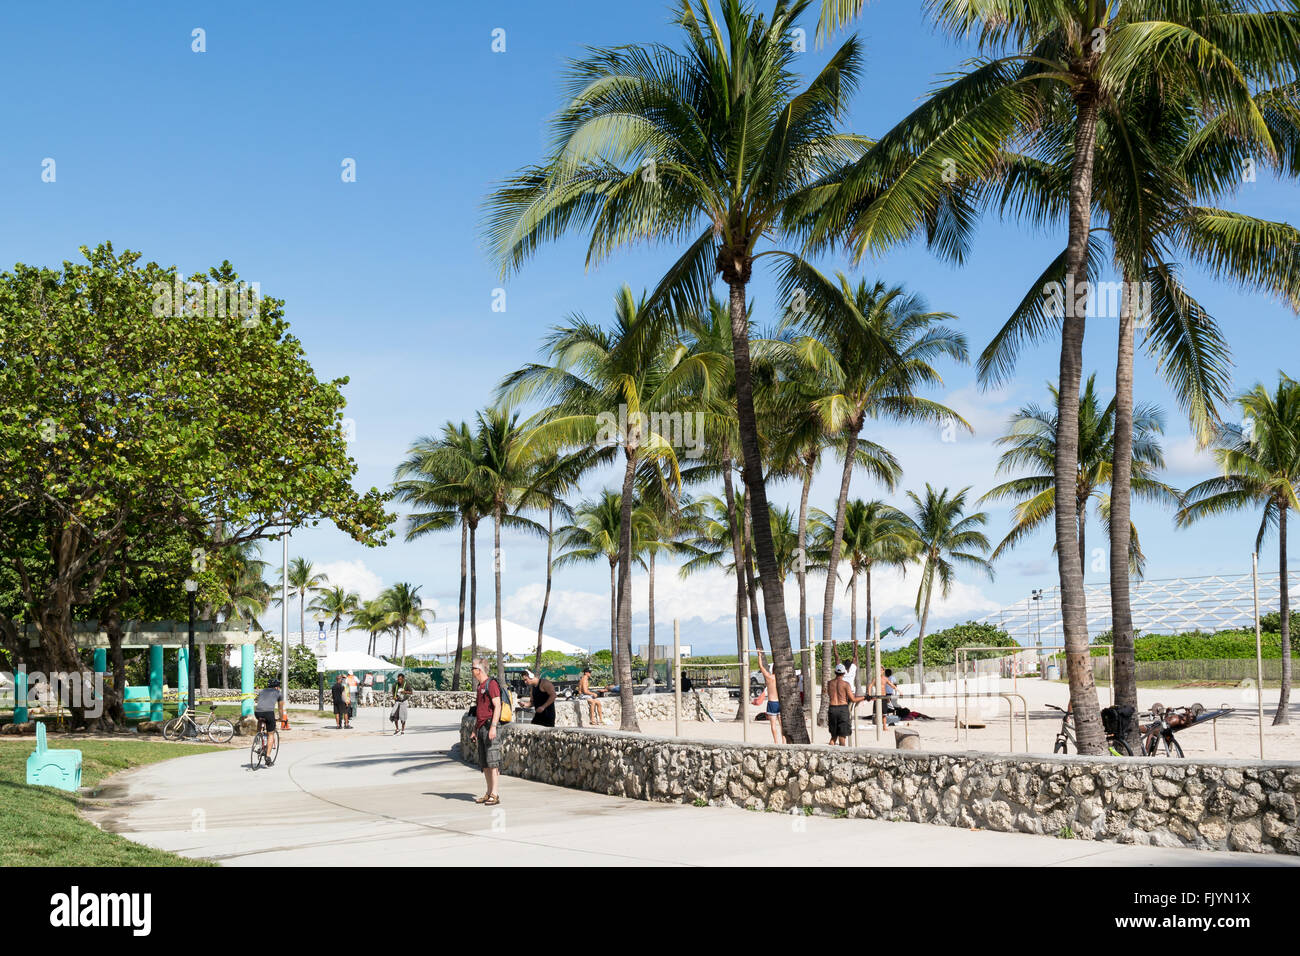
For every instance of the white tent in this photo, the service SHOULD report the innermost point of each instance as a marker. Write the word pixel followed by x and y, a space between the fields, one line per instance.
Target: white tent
pixel 356 661
pixel 516 640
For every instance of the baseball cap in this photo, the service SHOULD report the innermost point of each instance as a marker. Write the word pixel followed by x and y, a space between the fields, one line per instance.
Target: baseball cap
pixel 839 669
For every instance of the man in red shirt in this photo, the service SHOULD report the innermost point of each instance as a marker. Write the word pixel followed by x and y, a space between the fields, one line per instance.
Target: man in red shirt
pixel 487 714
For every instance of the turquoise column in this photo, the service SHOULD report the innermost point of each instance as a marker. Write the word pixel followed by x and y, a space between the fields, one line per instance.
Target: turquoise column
pixel 101 666
pixel 246 668
pixel 155 682
pixel 20 696
pixel 182 678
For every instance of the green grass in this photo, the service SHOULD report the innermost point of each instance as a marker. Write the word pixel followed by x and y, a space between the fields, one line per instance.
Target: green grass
pixel 40 825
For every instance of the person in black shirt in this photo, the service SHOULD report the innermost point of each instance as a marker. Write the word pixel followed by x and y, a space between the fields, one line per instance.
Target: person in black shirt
pixel 542 700
pixel 340 706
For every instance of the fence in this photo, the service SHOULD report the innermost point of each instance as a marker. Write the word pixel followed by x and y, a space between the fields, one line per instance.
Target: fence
pixel 1229 669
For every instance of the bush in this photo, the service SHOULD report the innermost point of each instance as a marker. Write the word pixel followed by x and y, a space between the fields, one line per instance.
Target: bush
pixel 941 646
pixel 1272 622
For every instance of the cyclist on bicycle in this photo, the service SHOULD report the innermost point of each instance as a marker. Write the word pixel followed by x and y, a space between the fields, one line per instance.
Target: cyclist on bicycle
pixel 268 702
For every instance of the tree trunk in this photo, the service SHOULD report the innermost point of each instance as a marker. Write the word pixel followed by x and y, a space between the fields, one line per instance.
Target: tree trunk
pixel 778 630
pixel 650 654
pixel 496 580
pixel 737 557
pixel 623 658
pixel 473 592
pixel 755 627
pixel 460 619
pixel 1074 613
pixel 832 579
pixel 546 599
pixel 853 604
pixel 801 568
pixel 1284 605
pixel 1121 608
pixel 302 618
pixel 920 643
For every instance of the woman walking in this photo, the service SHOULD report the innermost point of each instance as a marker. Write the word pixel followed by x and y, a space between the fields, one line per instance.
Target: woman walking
pixel 401 693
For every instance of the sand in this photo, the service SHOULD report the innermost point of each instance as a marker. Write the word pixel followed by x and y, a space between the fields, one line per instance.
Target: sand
pixel 1237 733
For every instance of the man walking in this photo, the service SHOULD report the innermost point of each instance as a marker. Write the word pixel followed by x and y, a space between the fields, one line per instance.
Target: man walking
pixel 542 700
pixel 338 692
pixel 487 714
pixel 839 695
pixel 354 692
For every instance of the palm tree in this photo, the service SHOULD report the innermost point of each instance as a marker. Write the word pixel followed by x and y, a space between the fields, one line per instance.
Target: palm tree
pixel 713 146
pixel 1031 444
pixel 554 476
pixel 596 532
pixel 948 537
pixel 1260 466
pixel 432 480
pixel 244 594
pixel 334 603
pixel 404 610
pixel 371 617
pixel 303 580
pixel 624 388
pixel 872 346
pixel 875 535
pixel 1059 79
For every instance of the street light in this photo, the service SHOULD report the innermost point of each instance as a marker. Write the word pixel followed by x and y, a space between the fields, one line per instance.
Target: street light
pixel 191 589
pixel 1037 594
pixel 319 618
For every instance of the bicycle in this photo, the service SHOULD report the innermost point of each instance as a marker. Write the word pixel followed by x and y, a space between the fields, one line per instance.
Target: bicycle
pixel 1160 732
pixel 259 752
pixel 1117 746
pixel 217 729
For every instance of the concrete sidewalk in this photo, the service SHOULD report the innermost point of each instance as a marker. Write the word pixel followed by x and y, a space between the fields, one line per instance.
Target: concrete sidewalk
pixel 370 799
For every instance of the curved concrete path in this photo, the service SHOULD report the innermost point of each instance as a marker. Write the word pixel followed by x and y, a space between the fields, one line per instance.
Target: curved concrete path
pixel 362 798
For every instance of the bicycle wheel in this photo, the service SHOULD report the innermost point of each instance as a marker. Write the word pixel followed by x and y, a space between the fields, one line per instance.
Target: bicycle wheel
pixel 273 751
pixel 1172 747
pixel 1061 746
pixel 174 729
pixel 1119 747
pixel 220 731
pixel 255 755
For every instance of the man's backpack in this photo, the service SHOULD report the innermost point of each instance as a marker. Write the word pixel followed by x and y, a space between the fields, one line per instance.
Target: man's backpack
pixel 507 703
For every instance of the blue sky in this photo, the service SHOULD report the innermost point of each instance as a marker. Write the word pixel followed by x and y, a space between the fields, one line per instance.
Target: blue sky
pixel 236 153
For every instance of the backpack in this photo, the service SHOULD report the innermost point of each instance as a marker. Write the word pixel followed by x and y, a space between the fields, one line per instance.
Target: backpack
pixel 1115 720
pixel 507 702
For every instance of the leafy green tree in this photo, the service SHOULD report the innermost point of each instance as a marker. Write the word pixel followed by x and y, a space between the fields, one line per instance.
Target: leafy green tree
pixel 1260 464
pixel 127 426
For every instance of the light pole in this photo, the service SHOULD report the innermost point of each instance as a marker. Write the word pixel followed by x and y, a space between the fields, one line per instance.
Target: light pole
pixel 191 589
pixel 284 613
pixel 1037 594
pixel 319 618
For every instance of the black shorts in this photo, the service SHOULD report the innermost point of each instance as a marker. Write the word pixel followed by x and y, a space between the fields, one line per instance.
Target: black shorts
pixel 545 718
pixel 266 720
pixel 837 719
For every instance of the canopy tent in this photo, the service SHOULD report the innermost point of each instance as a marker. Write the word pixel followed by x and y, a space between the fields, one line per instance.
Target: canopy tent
pixel 355 661
pixel 516 641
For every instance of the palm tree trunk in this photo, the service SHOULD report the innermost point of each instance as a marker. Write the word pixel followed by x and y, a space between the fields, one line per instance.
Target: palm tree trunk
pixel 736 555
pixel 473 592
pixel 1074 612
pixel 869 635
pixel 613 613
pixel 460 620
pixel 623 659
pixel 1121 482
pixel 920 643
pixel 650 654
pixel 496 579
pixel 302 618
pixel 1284 605
pixel 754 624
pixel 546 599
pixel 837 545
pixel 769 578
pixel 853 605
pixel 800 569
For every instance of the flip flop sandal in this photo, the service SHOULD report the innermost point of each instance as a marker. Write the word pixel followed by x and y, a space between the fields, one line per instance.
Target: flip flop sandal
pixel 492 801
pixel 482 799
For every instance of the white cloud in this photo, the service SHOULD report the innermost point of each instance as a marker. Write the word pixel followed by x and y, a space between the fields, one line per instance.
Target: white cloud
pixel 355 576
pixel 1185 459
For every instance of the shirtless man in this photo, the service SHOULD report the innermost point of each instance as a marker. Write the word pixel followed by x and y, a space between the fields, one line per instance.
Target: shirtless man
pixel 773 703
pixel 839 695
pixel 594 713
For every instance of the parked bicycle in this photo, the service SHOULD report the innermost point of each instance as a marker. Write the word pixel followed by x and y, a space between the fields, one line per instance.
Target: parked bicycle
pixel 1065 736
pixel 217 729
pixel 1158 736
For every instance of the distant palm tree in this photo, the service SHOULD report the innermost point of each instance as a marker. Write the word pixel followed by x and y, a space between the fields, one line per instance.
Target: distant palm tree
pixel 948 537
pixel 404 611
pixel 432 479
pixel 371 617
pixel 243 592
pixel 1031 445
pixel 303 580
pixel 594 534
pixel 334 603
pixel 1260 465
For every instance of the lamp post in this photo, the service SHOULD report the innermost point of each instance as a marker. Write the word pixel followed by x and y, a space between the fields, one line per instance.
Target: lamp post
pixel 191 589
pixel 319 618
pixel 1037 595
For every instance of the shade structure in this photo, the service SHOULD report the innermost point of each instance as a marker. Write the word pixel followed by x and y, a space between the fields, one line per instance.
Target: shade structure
pixel 355 661
pixel 516 641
